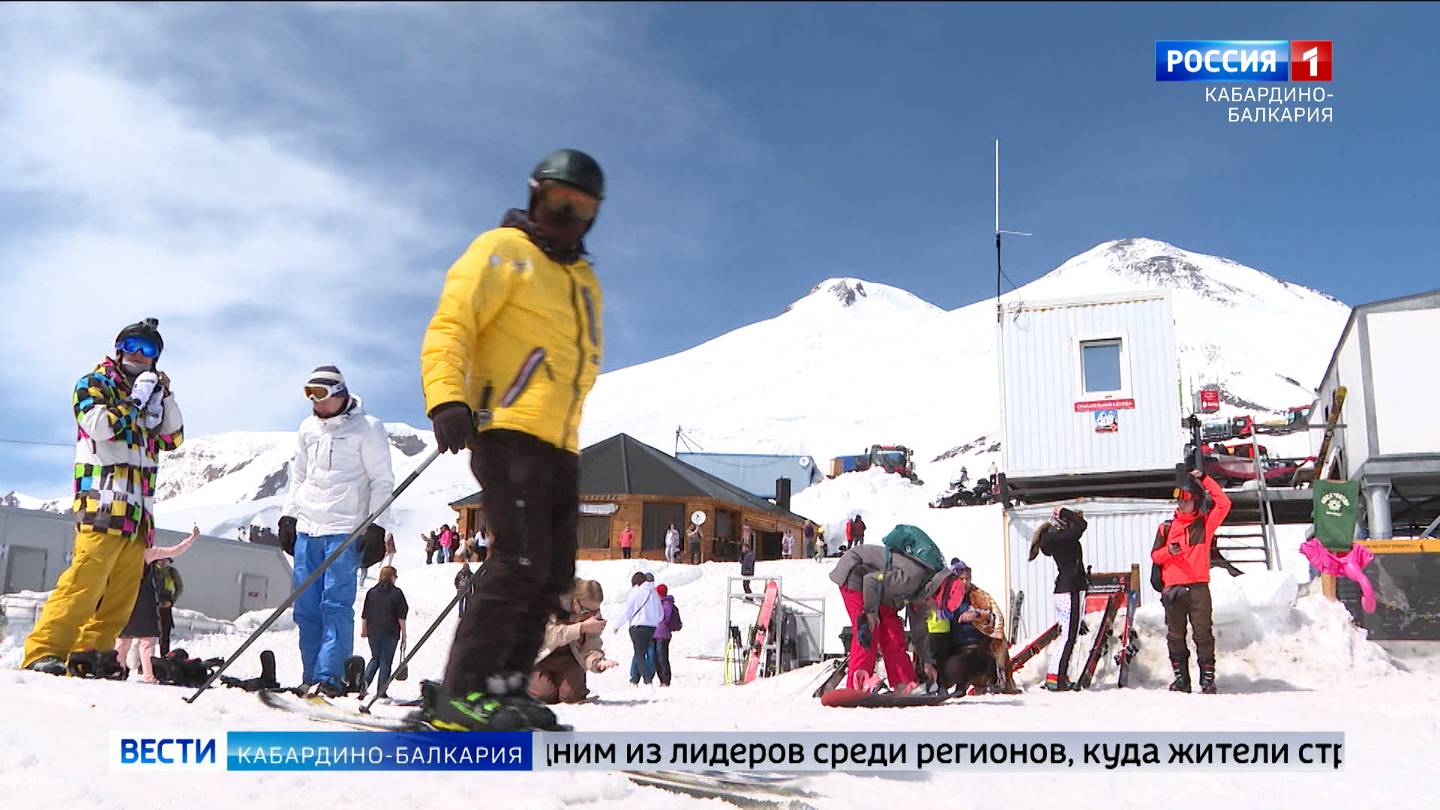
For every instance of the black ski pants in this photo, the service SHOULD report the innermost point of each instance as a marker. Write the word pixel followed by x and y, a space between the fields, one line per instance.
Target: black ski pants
pixel 530 490
pixel 1194 607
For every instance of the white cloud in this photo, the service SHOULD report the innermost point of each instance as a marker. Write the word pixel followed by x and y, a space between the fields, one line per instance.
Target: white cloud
pixel 200 165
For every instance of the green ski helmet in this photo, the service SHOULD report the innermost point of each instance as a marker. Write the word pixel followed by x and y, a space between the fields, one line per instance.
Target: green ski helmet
pixel 573 168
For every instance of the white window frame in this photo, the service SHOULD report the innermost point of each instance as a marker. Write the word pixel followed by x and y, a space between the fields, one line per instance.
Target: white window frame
pixel 1081 341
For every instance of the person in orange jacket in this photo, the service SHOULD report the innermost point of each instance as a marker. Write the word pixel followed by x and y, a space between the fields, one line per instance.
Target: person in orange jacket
pixel 1183 554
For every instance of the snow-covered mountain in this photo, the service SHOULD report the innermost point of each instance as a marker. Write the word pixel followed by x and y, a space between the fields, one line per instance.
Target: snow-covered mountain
pixel 851 364
pixel 18 500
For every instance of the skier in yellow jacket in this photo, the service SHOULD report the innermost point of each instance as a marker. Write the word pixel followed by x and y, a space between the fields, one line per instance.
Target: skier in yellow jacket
pixel 507 361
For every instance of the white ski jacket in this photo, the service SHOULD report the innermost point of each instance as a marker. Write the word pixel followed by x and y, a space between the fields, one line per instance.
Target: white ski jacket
pixel 341 472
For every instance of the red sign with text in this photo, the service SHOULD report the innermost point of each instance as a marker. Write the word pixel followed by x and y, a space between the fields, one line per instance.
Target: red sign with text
pixel 1104 405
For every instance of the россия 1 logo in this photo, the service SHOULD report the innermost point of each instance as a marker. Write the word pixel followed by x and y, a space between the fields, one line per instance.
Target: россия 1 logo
pixel 1227 60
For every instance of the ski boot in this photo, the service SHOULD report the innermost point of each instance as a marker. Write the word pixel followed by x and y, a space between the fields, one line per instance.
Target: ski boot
pixel 1181 666
pixel 474 711
pixel 1207 678
pixel 111 668
pixel 517 695
pixel 1060 683
pixel 354 674
pixel 48 664
pixel 83 664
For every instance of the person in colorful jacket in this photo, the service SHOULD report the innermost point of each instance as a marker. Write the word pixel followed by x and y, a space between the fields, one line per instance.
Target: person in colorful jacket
pixel 126 416
pixel 1183 555
pixel 507 361
pixel 340 475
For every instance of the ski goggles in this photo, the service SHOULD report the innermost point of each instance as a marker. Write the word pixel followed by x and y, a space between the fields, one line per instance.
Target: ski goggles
pixel 138 345
pixel 555 196
pixel 318 391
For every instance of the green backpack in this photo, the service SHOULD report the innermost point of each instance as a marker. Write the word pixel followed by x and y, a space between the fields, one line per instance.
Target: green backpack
pixel 913 543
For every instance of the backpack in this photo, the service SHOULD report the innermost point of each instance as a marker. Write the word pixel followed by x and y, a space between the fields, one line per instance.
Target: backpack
pixel 675 623
pixel 913 543
pixel 1156 581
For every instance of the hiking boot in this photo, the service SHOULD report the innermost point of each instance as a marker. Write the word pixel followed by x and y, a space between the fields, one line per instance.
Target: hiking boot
pixel 474 711
pixel 1181 666
pixel 1207 678
pixel 48 664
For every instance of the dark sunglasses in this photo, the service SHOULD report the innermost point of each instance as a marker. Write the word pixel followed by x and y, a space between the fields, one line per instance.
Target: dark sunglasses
pixel 133 344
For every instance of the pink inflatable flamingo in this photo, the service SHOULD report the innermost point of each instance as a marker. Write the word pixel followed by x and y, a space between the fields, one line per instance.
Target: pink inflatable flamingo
pixel 1349 564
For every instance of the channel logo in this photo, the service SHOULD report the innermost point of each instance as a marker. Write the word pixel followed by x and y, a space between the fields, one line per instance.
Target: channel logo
pixel 1238 60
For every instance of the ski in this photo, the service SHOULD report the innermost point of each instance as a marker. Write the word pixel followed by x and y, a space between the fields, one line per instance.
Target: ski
pixel 1017 660
pixel 1129 639
pixel 758 790
pixel 324 711
pixel 1102 638
pixel 832 679
pixel 762 631
pixel 1015 605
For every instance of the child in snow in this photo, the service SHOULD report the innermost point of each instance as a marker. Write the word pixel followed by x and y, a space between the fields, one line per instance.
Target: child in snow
pixel 144 624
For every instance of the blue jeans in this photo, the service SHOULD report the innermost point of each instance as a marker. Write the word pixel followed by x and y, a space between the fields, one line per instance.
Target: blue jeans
pixel 325 612
pixel 643 664
pixel 382 655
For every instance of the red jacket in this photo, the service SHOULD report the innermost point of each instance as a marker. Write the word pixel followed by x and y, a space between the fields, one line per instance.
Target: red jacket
pixel 1192 564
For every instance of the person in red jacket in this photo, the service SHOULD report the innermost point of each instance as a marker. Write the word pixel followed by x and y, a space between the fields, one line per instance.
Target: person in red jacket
pixel 1183 554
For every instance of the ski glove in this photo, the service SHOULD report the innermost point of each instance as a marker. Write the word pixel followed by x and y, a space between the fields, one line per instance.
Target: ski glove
pixel 287 535
pixel 374 549
pixel 144 386
pixel 155 409
pixel 862 630
pixel 454 426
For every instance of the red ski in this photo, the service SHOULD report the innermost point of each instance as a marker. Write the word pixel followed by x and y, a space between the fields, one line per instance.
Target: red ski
pixel 762 631
pixel 1033 649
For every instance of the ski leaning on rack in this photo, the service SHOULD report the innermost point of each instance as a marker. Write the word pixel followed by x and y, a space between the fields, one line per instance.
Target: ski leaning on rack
pixel 1129 639
pixel 1102 641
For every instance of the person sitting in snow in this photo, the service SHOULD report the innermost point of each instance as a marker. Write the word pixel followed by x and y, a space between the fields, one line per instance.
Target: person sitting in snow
pixel 1183 553
pixel 572 647
pixel 340 475
pixel 977 654
pixel 873 597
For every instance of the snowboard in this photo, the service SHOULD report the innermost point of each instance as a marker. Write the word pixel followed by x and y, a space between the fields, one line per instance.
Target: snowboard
pixel 1033 648
pixel 762 631
pixel 859 698
pixel 1102 640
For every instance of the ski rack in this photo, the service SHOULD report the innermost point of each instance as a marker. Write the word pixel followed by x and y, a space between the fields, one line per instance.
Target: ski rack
pixel 734 593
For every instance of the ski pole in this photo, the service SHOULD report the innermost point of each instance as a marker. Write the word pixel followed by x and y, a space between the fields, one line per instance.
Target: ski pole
pixel 459 594
pixel 315 575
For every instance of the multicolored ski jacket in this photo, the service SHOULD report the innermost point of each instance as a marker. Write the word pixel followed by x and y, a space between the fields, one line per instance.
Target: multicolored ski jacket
pixel 116 457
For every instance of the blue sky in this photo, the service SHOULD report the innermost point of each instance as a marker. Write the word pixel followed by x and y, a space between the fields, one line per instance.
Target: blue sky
pixel 285 185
